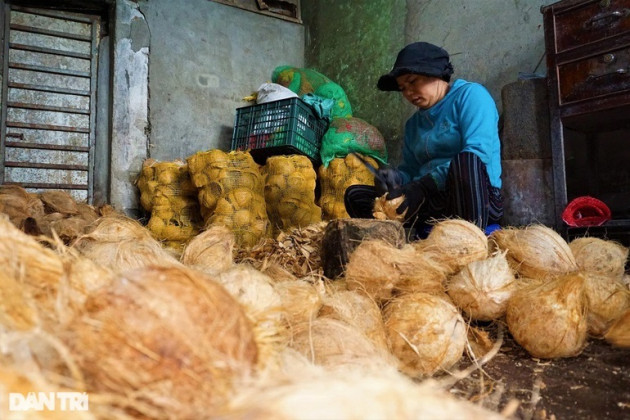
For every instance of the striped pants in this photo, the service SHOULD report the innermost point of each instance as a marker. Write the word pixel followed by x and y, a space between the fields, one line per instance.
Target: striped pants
pixel 468 195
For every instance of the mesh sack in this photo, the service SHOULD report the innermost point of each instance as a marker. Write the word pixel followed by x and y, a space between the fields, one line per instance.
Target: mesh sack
pixel 290 192
pixel 168 193
pixel 345 135
pixel 230 193
pixel 336 178
pixel 303 81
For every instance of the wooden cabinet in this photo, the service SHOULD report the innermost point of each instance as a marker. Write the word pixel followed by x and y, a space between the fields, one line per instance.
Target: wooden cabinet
pixel 587 45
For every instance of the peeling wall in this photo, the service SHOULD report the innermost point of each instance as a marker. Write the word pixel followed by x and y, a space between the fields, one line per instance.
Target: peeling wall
pixel 129 108
pixel 205 57
pixel 179 74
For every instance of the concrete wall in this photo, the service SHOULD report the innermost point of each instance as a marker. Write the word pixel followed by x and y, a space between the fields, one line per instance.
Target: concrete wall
pixel 353 42
pixel 179 74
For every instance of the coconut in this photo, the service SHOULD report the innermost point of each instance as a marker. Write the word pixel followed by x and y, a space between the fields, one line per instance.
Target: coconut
pixel 599 255
pixel 57 280
pixel 167 337
pixel 355 394
pixel 619 333
pixel 333 343
pixel 69 229
pixel 482 288
pixel 607 300
pixel 378 269
pixel 536 251
pixel 358 311
pixel 300 299
pixel 210 251
pixel 17 310
pixel 426 332
pixel 549 318
pixel 385 209
pixel 455 243
pixel 121 243
pixel 58 201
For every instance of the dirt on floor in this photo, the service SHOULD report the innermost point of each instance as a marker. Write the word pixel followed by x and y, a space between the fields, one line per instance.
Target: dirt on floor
pixel 593 385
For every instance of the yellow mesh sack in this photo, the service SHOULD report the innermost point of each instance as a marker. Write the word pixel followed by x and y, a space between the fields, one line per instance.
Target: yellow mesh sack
pixel 336 178
pixel 290 192
pixel 230 193
pixel 168 193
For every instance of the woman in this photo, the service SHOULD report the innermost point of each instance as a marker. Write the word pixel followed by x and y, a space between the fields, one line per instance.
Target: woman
pixel 451 159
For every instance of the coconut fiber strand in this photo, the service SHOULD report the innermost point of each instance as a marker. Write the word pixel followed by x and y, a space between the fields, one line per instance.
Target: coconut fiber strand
pixel 549 318
pixel 177 355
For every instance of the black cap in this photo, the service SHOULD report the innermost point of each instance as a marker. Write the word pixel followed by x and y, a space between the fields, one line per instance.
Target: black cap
pixel 418 58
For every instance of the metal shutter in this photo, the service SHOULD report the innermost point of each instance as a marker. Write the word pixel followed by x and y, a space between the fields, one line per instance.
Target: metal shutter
pixel 48 97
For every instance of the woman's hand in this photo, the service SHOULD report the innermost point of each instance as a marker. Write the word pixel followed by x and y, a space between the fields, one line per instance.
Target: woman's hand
pixel 387 180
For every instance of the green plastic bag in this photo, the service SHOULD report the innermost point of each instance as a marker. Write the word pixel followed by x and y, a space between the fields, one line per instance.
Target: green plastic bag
pixel 305 81
pixel 346 135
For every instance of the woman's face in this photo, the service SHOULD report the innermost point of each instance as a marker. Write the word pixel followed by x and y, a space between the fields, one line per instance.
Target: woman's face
pixel 422 91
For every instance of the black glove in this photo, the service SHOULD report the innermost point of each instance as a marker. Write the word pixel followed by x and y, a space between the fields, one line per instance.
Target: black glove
pixel 416 194
pixel 387 180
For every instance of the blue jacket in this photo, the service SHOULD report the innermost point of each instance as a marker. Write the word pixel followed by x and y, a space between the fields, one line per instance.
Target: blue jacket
pixel 465 120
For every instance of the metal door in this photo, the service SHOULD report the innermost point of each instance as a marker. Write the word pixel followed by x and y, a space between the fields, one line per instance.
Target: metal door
pixel 48 100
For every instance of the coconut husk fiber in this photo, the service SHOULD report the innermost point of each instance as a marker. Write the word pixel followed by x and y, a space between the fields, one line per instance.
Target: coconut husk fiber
pixel 425 332
pixel 455 243
pixel 69 229
pixel 18 311
pixel 482 288
pixel 296 252
pixel 121 244
pixel 355 394
pixel 607 299
pixel 210 251
pixel 378 270
pixel 58 201
pixel 19 204
pixel 599 255
pixel 535 251
pixel 619 333
pixel 28 261
pixel 358 311
pixel 167 337
pixel 549 319
pixel 300 300
pixel 333 343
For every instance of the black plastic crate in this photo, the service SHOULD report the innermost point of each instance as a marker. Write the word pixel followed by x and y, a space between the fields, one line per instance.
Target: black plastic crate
pixel 284 127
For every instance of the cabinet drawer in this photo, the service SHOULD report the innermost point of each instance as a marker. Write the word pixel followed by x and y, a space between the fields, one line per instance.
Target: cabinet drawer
pixel 590 22
pixel 594 76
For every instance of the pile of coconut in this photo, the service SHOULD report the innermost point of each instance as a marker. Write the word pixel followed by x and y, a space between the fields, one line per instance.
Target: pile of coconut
pixel 260 333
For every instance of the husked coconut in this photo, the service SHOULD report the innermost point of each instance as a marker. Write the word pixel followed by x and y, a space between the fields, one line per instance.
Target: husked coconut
pixel 599 255
pixel 166 339
pixel 425 332
pixel 333 343
pixel 352 394
pixel 121 243
pixel 619 333
pixel 455 243
pixel 482 288
pixel 535 251
pixel 607 300
pixel 358 311
pixel 549 318
pixel 378 269
pixel 262 303
pixel 210 251
pixel 300 300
